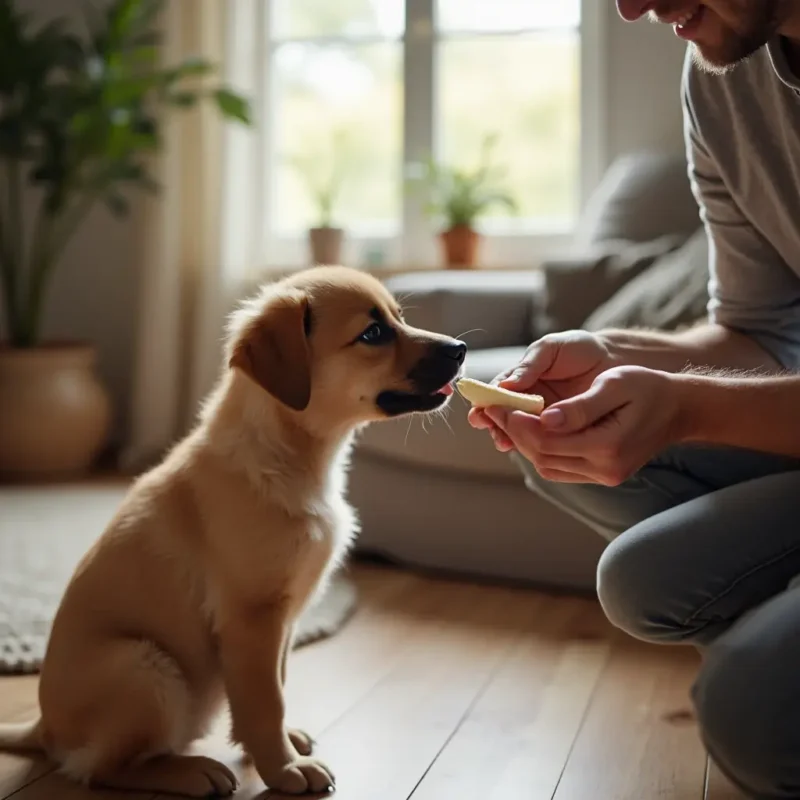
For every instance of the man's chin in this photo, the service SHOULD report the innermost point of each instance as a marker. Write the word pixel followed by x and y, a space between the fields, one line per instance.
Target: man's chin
pixel 723 57
pixel 712 61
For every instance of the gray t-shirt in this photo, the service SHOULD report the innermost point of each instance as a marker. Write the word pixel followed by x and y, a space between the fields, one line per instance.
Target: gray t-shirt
pixel 743 142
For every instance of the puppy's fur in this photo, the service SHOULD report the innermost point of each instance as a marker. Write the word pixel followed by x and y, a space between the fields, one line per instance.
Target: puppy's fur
pixel 190 595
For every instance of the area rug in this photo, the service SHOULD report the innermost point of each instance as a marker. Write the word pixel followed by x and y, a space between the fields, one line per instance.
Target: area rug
pixel 45 531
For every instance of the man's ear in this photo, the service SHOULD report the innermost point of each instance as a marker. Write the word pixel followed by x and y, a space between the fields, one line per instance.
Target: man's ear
pixel 275 353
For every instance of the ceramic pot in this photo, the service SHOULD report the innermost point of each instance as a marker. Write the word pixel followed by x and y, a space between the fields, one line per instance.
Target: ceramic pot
pixel 326 245
pixel 460 246
pixel 54 412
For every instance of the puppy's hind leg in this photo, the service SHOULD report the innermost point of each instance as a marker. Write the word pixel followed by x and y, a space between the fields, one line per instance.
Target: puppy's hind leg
pixel 138 713
pixel 189 776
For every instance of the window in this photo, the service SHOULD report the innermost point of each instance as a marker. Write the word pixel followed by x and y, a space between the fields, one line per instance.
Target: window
pixel 357 91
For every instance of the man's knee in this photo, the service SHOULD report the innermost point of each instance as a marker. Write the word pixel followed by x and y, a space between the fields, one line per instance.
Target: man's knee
pixel 747 707
pixel 639 587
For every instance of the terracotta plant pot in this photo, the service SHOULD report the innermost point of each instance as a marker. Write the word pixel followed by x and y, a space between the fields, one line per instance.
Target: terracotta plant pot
pixel 326 245
pixel 460 244
pixel 54 412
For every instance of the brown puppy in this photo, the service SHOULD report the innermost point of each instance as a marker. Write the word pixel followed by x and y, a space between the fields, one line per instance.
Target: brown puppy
pixel 190 595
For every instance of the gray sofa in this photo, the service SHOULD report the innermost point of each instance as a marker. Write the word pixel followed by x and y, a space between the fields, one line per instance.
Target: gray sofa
pixel 436 494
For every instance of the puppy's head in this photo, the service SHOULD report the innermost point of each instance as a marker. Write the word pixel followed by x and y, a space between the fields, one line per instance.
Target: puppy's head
pixel 331 343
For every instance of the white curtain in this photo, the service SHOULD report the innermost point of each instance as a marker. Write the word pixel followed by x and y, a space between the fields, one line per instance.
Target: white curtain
pixel 200 234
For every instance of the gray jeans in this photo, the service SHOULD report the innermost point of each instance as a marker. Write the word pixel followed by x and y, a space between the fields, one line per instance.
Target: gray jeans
pixel 704 549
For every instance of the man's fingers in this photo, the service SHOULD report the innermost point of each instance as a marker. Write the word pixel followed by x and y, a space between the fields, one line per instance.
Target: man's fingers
pixel 580 412
pixel 517 424
pixel 539 358
pixel 557 476
pixel 501 441
pixel 568 469
pixel 478 419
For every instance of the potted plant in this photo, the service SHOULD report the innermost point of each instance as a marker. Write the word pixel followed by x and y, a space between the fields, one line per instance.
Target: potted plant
pixel 79 121
pixel 323 182
pixel 458 197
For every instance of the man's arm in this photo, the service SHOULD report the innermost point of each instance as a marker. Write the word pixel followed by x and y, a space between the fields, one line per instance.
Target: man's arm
pixel 756 413
pixel 750 287
pixel 709 345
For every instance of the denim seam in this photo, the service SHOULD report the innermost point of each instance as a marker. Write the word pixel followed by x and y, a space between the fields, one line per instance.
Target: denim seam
pixel 774 560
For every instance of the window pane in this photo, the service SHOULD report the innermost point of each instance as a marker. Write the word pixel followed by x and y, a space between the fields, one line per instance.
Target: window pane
pixel 309 18
pixel 338 110
pixel 526 90
pixel 496 16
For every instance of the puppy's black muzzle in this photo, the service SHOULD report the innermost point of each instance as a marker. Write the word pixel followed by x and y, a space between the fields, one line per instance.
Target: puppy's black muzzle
pixel 440 366
pixel 437 368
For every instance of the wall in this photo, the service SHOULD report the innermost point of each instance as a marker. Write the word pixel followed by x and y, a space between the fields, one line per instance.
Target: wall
pixel 644 68
pixel 95 291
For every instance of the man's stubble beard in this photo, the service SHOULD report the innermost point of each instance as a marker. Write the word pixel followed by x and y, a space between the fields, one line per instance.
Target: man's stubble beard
pixel 760 22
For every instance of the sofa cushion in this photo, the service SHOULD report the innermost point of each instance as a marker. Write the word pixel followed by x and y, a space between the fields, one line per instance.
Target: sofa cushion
pixel 449 443
pixel 489 308
pixel 575 287
pixel 641 197
pixel 671 294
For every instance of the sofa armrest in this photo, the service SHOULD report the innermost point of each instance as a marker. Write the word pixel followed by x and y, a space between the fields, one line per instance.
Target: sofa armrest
pixel 489 308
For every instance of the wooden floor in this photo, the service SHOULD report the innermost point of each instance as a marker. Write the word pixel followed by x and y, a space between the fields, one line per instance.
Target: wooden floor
pixel 439 690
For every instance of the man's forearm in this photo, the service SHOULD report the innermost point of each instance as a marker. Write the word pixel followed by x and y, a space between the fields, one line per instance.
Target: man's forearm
pixel 703 346
pixel 756 413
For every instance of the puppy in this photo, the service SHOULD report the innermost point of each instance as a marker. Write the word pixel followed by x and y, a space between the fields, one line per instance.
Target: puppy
pixel 189 597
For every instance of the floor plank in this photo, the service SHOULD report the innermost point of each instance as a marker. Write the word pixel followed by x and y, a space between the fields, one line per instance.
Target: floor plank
pixel 385 743
pixel 438 689
pixel 516 739
pixel 654 750
pixel 17 704
pixel 56 787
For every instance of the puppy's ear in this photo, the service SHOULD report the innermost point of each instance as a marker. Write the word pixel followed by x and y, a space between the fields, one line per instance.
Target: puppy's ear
pixel 275 353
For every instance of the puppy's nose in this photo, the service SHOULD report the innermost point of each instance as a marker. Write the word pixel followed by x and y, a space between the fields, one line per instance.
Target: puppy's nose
pixel 455 350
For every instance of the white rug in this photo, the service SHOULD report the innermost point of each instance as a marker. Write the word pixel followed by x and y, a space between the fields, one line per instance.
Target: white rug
pixel 44 532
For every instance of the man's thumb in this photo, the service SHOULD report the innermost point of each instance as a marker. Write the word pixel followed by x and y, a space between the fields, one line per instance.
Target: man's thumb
pixel 537 361
pixel 577 413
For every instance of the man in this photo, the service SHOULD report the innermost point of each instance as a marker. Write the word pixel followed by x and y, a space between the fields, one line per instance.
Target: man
pixel 684 450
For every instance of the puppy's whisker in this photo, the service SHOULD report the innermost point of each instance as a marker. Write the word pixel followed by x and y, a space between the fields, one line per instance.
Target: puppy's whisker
pixel 406 296
pixel 472 330
pixel 408 431
pixel 444 415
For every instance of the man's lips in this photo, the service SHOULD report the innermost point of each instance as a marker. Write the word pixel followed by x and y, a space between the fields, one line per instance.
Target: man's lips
pixel 686 21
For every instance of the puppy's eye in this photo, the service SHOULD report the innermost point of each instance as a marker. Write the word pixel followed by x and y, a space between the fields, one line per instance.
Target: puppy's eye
pixel 377 333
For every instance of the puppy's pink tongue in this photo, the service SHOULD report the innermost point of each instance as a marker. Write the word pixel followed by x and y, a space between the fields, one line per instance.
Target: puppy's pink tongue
pixel 446 390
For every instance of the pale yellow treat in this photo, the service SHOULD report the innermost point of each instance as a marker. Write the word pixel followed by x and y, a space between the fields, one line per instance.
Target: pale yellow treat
pixel 481 395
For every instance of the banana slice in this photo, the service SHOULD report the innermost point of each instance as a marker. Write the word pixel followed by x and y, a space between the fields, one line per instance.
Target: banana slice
pixel 481 395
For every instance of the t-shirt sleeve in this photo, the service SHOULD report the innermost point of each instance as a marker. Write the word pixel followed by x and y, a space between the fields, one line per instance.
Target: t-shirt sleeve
pixel 749 283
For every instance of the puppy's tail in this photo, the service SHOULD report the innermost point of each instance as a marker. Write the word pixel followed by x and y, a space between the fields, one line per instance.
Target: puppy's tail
pixel 22 736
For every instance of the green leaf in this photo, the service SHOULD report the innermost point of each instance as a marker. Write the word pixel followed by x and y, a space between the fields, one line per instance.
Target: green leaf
pixel 193 67
pixel 233 105
pixel 183 99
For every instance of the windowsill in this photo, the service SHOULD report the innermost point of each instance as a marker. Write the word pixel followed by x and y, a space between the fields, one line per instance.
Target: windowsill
pixel 271 273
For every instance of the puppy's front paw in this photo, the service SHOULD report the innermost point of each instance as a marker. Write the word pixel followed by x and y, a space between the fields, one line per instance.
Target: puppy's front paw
pixel 301 741
pixel 301 776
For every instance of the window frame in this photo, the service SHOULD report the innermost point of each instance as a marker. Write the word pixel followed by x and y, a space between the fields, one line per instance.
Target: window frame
pixel 415 246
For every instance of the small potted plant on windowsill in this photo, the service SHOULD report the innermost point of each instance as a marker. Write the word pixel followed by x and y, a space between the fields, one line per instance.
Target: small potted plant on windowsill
pixel 458 197
pixel 79 119
pixel 323 179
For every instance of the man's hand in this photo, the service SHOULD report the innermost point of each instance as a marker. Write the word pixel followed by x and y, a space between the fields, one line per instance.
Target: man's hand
pixel 603 435
pixel 557 366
